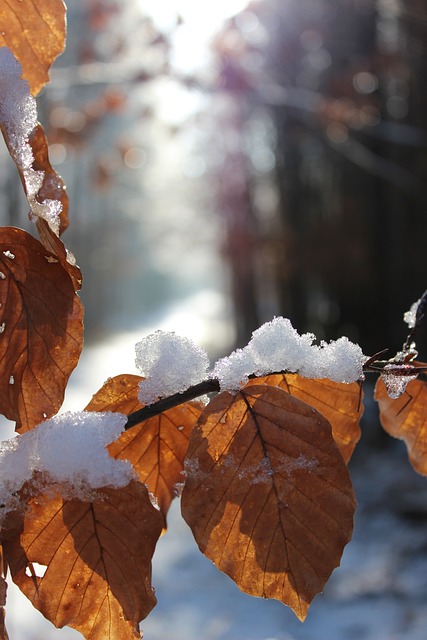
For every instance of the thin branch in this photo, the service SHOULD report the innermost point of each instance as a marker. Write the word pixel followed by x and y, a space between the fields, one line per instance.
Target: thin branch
pixel 200 389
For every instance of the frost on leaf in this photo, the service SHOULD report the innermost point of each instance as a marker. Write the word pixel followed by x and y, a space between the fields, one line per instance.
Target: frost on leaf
pixel 98 558
pixel 35 32
pixel 405 418
pixel 267 494
pixel 156 447
pixel 396 378
pixel 340 403
pixel 43 333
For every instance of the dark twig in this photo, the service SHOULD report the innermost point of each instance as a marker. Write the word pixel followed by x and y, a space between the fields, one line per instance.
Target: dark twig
pixel 207 386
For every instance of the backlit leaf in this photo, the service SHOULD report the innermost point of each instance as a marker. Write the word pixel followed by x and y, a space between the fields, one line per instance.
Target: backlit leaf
pixel 53 187
pixel 156 447
pixel 41 332
pixel 406 418
pixel 3 590
pixel 35 32
pixel 340 403
pixel 97 560
pixel 268 495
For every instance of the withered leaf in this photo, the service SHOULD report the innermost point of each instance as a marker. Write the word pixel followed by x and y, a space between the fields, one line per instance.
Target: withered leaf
pixel 268 496
pixel 156 447
pixel 35 32
pixel 3 590
pixel 340 403
pixel 53 187
pixel 41 331
pixel 406 418
pixel 97 557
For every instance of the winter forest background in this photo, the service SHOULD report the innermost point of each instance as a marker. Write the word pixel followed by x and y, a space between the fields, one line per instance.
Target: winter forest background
pixel 278 171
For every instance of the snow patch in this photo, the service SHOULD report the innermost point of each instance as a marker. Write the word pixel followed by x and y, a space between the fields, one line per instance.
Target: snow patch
pixel 70 451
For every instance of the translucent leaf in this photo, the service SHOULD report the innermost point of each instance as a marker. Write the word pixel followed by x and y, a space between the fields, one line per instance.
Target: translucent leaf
pixel 53 187
pixel 157 447
pixel 340 403
pixel 41 332
pixel 405 418
pixel 3 590
pixel 96 561
pixel 35 32
pixel 268 496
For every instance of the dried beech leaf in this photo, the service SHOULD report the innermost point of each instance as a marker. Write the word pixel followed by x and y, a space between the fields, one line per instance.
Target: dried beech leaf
pixel 156 447
pixel 340 403
pixel 54 244
pixel 406 418
pixel 41 332
pixel 268 496
pixel 35 32
pixel 53 187
pixel 97 557
pixel 3 590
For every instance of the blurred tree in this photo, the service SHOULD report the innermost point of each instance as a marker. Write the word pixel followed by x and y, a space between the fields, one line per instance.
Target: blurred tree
pixel 329 108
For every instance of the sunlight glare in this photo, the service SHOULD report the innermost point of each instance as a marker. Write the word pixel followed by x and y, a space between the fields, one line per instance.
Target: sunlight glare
pixel 200 22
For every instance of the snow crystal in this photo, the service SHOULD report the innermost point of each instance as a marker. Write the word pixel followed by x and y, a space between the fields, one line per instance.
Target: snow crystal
pixel 9 254
pixel 277 346
pixel 395 379
pixel 169 363
pixel 410 316
pixel 70 449
pixel 2 327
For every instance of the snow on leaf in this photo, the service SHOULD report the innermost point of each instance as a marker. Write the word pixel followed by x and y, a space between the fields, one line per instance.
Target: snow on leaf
pixel 340 403
pixel 157 447
pixel 98 558
pixel 53 187
pixel 405 417
pixel 35 32
pixel 43 334
pixel 267 495
pixel 3 590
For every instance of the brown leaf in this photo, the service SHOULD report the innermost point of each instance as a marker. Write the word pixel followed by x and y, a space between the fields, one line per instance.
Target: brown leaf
pixel 157 447
pixel 35 32
pixel 268 495
pixel 97 557
pixel 3 590
pixel 54 244
pixel 53 187
pixel 340 403
pixel 41 331
pixel 406 418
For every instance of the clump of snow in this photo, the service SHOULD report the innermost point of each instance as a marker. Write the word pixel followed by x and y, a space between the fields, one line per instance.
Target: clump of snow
pixel 18 116
pixel 410 316
pixel 277 346
pixel 233 371
pixel 70 451
pixel 396 380
pixel 18 111
pixel 170 364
